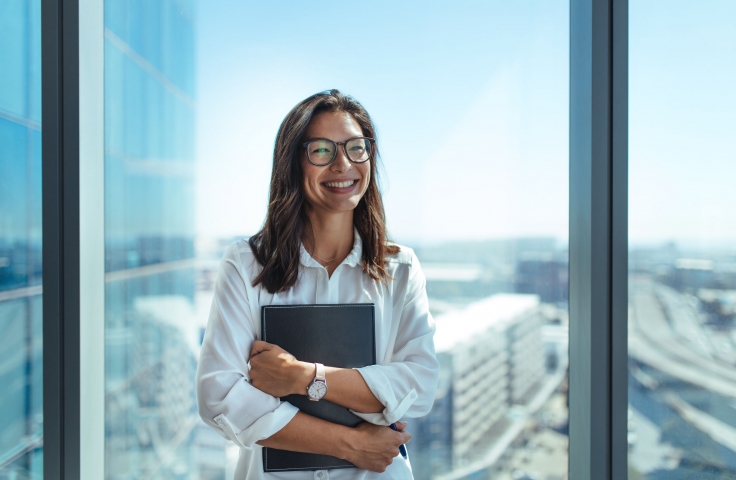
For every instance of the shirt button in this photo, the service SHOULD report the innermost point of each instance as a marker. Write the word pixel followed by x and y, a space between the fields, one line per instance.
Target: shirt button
pixel 321 475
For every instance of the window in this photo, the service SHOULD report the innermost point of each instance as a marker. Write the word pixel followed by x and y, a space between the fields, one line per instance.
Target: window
pixel 151 424
pixel 188 95
pixel 471 105
pixel 21 348
pixel 682 280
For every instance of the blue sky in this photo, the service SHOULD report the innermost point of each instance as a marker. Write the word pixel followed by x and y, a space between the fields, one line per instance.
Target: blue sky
pixel 470 100
pixel 682 121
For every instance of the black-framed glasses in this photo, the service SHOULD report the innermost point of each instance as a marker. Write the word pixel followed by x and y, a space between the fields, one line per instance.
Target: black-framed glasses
pixel 322 151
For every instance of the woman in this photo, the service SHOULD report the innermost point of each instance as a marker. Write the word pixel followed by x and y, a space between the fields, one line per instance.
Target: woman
pixel 323 241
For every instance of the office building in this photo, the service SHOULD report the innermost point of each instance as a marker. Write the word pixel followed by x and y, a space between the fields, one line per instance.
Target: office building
pixel 21 401
pixel 152 426
pixel 491 358
pixel 544 274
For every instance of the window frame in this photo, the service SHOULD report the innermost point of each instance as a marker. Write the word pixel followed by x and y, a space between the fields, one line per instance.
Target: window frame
pixel 598 395
pixel 73 284
pixel 72 84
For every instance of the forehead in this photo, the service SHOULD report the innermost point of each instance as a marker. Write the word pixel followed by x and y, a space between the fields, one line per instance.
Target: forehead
pixel 337 126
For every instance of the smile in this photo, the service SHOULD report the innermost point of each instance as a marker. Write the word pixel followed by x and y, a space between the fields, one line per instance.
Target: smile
pixel 345 184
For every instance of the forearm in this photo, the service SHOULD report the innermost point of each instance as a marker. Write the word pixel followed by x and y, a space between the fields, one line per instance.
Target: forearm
pixel 278 373
pixel 346 387
pixel 367 446
pixel 308 434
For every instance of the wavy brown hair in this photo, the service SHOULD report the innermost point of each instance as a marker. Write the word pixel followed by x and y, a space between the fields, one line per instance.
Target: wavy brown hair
pixel 276 246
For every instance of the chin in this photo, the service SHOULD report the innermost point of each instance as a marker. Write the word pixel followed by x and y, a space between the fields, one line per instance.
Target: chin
pixel 345 207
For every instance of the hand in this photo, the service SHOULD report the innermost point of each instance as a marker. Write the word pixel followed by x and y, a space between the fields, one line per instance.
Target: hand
pixel 275 371
pixel 373 447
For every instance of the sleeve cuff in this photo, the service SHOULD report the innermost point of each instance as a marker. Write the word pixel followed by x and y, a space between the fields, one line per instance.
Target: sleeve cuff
pixel 264 427
pixel 381 389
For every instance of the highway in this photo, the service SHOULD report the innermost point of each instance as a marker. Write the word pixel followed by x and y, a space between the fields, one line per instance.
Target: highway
pixel 666 333
pixel 682 347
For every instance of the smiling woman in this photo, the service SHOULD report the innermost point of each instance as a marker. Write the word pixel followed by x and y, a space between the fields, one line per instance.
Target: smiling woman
pixel 339 187
pixel 302 201
pixel 323 242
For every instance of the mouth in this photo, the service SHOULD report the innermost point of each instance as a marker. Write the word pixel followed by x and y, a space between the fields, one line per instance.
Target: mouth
pixel 340 186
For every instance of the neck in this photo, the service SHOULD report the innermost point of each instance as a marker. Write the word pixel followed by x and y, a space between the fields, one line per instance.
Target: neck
pixel 332 234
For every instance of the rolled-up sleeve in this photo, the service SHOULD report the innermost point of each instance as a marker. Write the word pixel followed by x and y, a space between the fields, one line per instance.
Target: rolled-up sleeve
pixel 406 385
pixel 226 400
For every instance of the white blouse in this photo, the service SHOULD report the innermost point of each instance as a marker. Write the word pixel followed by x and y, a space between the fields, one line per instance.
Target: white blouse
pixel 404 379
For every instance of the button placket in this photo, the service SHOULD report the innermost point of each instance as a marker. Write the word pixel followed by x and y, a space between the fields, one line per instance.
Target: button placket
pixel 332 286
pixel 322 285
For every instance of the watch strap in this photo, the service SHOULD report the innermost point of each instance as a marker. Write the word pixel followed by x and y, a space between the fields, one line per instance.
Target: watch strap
pixel 320 372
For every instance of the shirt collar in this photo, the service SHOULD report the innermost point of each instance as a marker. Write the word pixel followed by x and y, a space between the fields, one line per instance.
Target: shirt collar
pixel 352 259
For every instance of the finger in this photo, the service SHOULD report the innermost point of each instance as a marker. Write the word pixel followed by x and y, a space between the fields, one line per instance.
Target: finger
pixel 405 437
pixel 400 425
pixel 259 346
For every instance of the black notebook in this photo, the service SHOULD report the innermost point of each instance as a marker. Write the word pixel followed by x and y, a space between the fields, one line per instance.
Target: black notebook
pixel 341 335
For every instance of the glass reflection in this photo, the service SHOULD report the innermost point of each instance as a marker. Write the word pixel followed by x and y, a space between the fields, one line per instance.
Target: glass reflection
pixel 21 342
pixel 151 341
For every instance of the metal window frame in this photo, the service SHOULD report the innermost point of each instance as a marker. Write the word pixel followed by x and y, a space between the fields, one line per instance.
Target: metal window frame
pixel 72 55
pixel 598 395
pixel 73 284
pixel 60 206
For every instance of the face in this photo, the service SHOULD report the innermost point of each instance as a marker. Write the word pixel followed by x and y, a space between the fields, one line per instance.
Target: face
pixel 325 187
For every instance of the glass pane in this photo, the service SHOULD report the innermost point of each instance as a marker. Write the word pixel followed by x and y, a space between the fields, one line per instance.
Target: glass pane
pixel 21 342
pixel 471 105
pixel 151 338
pixel 682 236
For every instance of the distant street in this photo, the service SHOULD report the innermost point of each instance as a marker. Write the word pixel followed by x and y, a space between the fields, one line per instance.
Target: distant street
pixel 682 384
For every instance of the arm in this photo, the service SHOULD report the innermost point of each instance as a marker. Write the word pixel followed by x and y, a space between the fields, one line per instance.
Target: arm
pixel 406 382
pixel 367 446
pixel 278 373
pixel 237 410
pixel 226 400
pixel 379 394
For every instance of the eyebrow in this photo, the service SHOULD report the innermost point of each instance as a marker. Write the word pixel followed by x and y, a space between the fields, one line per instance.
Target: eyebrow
pixel 334 141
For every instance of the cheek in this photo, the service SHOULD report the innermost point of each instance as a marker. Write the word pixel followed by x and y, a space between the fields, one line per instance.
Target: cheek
pixel 310 177
pixel 366 178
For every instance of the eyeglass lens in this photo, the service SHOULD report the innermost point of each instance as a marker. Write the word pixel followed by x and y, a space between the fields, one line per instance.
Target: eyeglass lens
pixel 322 152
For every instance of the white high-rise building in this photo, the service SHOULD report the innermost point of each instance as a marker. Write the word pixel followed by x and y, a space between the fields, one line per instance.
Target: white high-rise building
pixel 492 353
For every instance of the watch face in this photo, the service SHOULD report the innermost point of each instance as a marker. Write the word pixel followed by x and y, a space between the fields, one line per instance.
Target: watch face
pixel 317 390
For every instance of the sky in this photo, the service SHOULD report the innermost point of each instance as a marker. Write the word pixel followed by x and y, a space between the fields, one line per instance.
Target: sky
pixel 470 100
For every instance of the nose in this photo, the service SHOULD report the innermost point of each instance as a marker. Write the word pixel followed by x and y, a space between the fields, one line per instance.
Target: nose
pixel 341 162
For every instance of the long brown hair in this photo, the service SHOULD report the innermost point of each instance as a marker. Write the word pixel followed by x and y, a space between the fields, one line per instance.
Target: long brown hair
pixel 277 245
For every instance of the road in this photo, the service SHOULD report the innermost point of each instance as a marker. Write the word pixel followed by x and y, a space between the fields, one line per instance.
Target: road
pixel 685 368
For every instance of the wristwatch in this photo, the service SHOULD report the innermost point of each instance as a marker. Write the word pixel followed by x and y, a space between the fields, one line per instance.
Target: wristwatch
pixel 318 388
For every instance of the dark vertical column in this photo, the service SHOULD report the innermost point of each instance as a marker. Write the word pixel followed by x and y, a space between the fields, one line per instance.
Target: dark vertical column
pixel 619 238
pixel 60 111
pixel 598 238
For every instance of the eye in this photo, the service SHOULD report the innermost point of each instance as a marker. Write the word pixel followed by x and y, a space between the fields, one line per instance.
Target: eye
pixel 321 148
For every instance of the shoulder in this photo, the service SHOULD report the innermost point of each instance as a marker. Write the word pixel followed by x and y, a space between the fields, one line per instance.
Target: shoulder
pixel 405 256
pixel 404 262
pixel 404 269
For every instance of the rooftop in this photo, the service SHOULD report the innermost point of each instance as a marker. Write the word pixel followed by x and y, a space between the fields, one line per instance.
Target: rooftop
pixel 459 326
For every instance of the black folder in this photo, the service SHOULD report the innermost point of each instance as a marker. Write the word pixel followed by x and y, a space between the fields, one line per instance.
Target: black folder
pixel 341 335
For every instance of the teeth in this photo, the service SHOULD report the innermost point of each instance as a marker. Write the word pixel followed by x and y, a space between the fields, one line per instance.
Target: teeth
pixel 340 184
